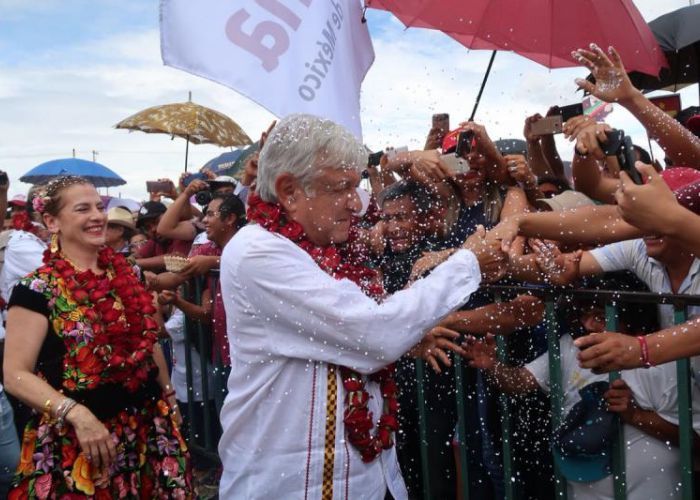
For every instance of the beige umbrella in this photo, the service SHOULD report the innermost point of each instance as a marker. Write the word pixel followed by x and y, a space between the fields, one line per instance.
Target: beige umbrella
pixel 192 122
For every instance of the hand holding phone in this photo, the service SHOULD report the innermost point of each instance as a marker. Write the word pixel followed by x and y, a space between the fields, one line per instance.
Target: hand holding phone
pixel 555 119
pixel 159 186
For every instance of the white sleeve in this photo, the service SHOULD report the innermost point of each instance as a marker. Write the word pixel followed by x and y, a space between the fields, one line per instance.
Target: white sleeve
pixel 23 256
pixel 656 389
pixel 539 368
pixel 618 256
pixel 313 316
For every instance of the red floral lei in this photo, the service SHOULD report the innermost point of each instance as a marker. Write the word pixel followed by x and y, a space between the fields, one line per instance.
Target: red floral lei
pixel 340 262
pixel 118 309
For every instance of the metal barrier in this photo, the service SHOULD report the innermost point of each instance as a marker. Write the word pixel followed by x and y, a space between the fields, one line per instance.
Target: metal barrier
pixel 203 430
pixel 203 440
pixel 612 300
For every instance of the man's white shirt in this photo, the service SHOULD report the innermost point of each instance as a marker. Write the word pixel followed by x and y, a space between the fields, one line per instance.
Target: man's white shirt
pixel 287 320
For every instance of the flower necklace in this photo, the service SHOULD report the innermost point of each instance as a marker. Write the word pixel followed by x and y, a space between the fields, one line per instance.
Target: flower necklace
pixel 341 262
pixel 105 321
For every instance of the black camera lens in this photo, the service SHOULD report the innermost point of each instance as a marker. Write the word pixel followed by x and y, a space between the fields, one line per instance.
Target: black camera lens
pixel 203 197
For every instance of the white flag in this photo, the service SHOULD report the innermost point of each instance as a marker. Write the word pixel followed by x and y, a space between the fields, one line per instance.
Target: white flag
pixel 290 56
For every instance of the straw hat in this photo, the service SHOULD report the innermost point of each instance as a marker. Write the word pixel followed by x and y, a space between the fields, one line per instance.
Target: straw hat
pixel 122 217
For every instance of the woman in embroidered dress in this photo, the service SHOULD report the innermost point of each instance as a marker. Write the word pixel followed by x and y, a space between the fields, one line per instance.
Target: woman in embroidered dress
pixel 82 352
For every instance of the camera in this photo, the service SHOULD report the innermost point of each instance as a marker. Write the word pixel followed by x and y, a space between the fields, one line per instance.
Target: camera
pixel 203 197
pixel 620 146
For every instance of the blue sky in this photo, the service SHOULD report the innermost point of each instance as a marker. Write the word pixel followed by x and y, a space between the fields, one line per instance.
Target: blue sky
pixel 71 69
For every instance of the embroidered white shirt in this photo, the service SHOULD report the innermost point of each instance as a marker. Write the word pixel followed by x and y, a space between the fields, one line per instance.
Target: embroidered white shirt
pixel 287 319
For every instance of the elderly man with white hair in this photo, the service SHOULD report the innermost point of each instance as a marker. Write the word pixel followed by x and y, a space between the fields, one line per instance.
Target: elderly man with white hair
pixel 311 407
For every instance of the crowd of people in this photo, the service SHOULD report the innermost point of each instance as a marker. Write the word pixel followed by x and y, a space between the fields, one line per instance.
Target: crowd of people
pixel 328 296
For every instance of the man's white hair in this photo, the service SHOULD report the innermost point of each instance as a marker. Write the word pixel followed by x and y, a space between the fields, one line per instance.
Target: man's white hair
pixel 302 145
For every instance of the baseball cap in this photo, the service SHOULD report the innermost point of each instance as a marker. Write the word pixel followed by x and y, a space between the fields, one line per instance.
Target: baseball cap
pixel 582 446
pixel 511 146
pixel 18 200
pixel 690 119
pixel 449 142
pixel 567 200
pixel 121 216
pixel 222 179
pixel 150 210
pixel 688 196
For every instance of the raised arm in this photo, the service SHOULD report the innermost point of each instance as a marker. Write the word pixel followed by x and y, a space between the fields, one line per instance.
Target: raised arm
pixel 679 143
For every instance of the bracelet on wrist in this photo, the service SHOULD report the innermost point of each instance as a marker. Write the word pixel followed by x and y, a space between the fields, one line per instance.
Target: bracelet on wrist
pixel 62 411
pixel 644 352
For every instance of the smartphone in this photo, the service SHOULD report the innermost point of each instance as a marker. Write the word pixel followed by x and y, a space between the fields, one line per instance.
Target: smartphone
pixel 553 124
pixel 374 159
pixel 3 178
pixel 621 147
pixel 442 121
pixel 193 177
pixel 456 163
pixel 159 186
pixel 464 143
pixel 548 125
pixel 568 112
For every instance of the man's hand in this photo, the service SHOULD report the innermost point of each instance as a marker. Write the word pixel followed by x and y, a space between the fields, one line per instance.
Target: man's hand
pixel 527 130
pixel 493 262
pixel 609 351
pixel 195 187
pixel 561 269
pixel 612 83
pixel 167 297
pixel 428 262
pixel 434 345
pixel 588 135
pixel 506 231
pixel 200 265
pixel 426 168
pixel 620 400
pixel 434 139
pixel 481 353
pixel 653 207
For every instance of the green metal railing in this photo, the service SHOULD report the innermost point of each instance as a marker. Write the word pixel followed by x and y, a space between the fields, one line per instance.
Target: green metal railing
pixel 202 435
pixel 203 439
pixel 612 299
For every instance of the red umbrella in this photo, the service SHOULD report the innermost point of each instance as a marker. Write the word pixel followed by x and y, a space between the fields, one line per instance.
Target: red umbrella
pixel 545 31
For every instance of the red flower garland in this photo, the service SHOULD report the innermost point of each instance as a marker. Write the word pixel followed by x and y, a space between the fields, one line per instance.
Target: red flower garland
pixel 343 262
pixel 118 309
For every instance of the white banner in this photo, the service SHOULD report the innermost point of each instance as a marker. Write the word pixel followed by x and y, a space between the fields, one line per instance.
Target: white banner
pixel 290 56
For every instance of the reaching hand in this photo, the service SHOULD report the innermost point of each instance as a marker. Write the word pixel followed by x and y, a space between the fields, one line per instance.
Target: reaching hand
pixel 561 269
pixel 481 353
pixel 621 400
pixel 609 351
pixel 487 248
pixel 434 345
pixel 588 135
pixel 426 167
pixel 199 265
pixel 612 83
pixel 653 207
pixel 427 262
pixel 519 170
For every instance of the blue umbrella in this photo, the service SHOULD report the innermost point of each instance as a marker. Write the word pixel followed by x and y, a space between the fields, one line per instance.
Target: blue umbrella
pixel 96 173
pixel 222 164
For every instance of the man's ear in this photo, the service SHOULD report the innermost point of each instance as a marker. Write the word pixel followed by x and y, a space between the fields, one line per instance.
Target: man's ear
pixel 286 189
